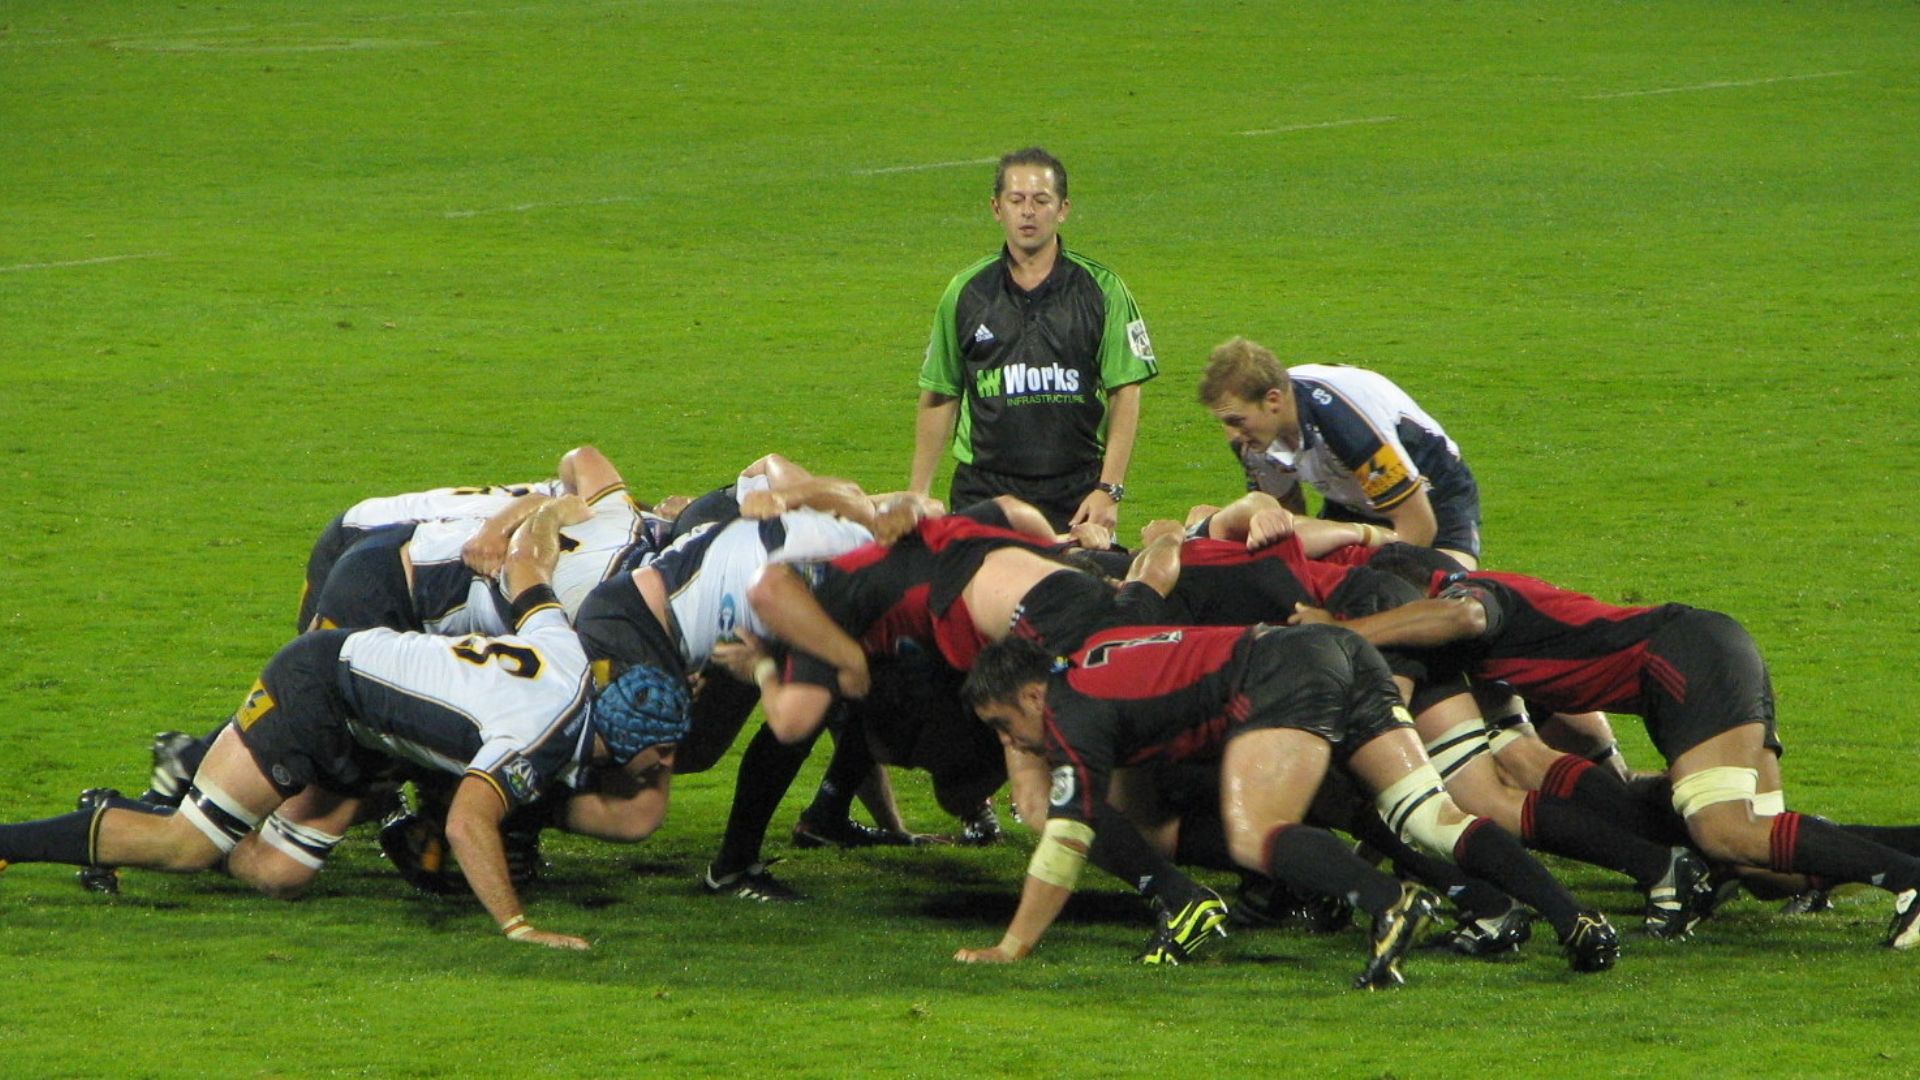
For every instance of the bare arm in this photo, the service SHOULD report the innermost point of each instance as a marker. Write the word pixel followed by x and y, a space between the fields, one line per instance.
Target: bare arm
pixel 1421 624
pixel 1318 536
pixel 587 473
pixel 1041 900
pixel 536 544
pixel 1158 564
pixel 932 431
pixel 1123 423
pixel 473 832
pixel 792 614
pixel 1413 519
pixel 1025 518
pixel 1256 517
pixel 487 549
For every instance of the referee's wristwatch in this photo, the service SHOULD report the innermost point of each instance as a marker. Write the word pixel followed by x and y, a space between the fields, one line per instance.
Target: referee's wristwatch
pixel 1116 492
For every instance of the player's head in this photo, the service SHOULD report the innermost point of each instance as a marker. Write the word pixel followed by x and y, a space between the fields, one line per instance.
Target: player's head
pixel 1423 567
pixel 1245 388
pixel 641 698
pixel 1007 689
pixel 1030 198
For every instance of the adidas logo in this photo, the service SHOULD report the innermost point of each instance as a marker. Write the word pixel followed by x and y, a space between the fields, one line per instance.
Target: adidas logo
pixel 982 335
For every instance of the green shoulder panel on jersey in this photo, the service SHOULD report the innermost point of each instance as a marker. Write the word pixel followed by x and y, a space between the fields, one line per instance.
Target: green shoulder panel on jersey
pixel 941 371
pixel 1126 352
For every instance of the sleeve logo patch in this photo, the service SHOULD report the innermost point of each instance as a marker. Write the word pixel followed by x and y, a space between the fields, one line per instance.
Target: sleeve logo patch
pixel 1063 786
pixel 258 704
pixel 1138 342
pixel 518 774
pixel 1382 474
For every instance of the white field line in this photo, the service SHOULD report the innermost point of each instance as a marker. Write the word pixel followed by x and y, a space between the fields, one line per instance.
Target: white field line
pixel 82 262
pixel 924 168
pixel 521 208
pixel 1715 85
pixel 1315 127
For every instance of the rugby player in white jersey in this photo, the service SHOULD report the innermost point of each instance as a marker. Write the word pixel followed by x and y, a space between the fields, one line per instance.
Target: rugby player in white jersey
pixel 514 715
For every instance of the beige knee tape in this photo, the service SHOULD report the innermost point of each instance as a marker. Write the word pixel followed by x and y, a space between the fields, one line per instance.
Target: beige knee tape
pixel 1710 787
pixel 1412 805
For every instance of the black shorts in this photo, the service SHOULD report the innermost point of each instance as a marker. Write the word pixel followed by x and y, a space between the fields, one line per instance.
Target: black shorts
pixel 1064 608
pixel 1704 675
pixel 1321 679
pixel 720 710
pixel 367 586
pixel 1058 497
pixel 298 733
pixel 913 717
pixel 334 541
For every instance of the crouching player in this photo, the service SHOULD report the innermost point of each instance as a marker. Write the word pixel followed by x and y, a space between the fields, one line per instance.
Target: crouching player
pixel 334 710
pixel 1278 707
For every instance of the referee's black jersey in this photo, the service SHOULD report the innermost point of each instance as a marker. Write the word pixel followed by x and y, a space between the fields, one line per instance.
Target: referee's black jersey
pixel 1033 369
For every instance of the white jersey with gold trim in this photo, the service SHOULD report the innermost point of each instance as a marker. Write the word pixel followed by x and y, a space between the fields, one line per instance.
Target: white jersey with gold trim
pixel 514 707
pixel 442 504
pixel 707 572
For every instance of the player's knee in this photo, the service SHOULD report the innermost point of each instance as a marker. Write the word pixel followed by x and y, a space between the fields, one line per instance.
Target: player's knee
pixel 1418 808
pixel 1717 804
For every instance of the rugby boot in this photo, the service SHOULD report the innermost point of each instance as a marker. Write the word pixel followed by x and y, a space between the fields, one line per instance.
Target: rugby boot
pixel 1592 944
pixel 1904 931
pixel 1394 932
pixel 1183 933
pixel 1496 936
pixel 1681 897
pixel 100 879
pixel 170 778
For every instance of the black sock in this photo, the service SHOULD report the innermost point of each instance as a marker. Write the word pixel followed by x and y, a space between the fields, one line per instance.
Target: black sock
pixel 1804 844
pixel 852 763
pixel 1474 898
pixel 1487 851
pixel 767 769
pixel 1902 838
pixel 1120 850
pixel 1559 827
pixel 64 839
pixel 1643 807
pixel 1316 860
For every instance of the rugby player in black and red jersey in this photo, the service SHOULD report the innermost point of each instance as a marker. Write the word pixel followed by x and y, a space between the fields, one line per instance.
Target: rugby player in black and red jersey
pixel 1697 680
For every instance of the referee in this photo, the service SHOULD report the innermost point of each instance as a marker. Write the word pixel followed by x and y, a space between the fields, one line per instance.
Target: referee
pixel 1034 368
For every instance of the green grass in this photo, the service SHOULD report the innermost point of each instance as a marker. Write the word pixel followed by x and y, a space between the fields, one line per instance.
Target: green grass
pixel 368 247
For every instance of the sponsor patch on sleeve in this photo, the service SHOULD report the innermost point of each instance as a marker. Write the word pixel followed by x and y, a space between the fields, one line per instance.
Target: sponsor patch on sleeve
pixel 1138 342
pixel 1063 786
pixel 1382 475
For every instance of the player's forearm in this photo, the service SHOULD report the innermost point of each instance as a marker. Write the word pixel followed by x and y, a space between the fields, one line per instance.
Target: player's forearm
pixel 1123 424
pixel 1319 536
pixel 535 549
pixel 1422 624
pixel 791 614
pixel 841 498
pixel 1413 520
pixel 1232 521
pixel 1158 564
pixel 1040 904
pixel 473 833
pixel 932 431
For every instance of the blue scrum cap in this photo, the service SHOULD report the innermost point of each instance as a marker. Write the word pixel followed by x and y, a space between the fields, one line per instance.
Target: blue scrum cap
pixel 644 706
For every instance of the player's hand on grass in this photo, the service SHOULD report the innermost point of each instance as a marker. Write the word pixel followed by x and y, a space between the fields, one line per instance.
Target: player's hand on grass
pixel 996 955
pixel 552 940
